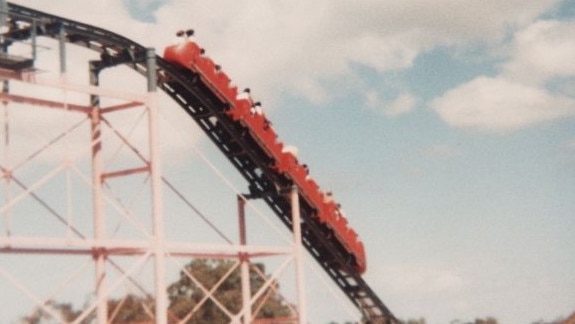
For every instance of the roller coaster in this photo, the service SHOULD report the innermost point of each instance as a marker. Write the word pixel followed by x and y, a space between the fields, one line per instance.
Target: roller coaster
pixel 241 132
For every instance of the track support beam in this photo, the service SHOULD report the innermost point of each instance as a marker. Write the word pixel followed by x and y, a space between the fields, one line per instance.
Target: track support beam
pixel 157 202
pixel 298 251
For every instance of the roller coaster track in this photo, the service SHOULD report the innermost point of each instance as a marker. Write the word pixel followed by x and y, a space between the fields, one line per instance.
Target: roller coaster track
pixel 207 110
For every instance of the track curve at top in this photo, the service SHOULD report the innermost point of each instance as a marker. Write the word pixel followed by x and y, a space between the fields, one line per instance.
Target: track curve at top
pixel 208 110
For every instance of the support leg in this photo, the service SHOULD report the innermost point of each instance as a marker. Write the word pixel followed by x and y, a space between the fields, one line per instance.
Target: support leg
pixel 298 251
pixel 245 265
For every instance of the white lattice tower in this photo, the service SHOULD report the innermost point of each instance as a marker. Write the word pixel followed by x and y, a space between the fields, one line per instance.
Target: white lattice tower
pixel 82 204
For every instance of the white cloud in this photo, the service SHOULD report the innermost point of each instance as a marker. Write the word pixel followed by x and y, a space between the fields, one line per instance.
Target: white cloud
pixel 293 46
pixel 543 51
pixel 524 92
pixel 312 90
pixel 106 14
pixel 499 104
pixel 278 45
pixel 284 44
pixel 402 104
pixel 372 99
pixel 383 53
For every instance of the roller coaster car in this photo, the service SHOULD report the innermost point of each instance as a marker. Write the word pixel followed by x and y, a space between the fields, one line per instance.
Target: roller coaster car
pixel 286 162
pixel 309 189
pixel 313 192
pixel 208 70
pixel 276 148
pixel 332 216
pixel 189 55
pixel 261 128
pixel 223 82
pixel 258 125
pixel 185 54
pixel 360 259
pixel 240 110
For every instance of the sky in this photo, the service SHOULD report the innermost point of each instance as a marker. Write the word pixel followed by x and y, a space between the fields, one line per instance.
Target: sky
pixel 445 129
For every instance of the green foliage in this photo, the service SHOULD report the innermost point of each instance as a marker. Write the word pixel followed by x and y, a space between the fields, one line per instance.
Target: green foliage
pixel 65 312
pixel 185 295
pixel 131 309
pixel 559 320
pixel 414 321
pixel 488 320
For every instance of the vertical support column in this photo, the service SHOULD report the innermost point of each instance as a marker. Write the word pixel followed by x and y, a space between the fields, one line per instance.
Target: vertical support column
pixel 244 265
pixel 62 42
pixel 5 119
pixel 98 198
pixel 6 156
pixel 33 35
pixel 3 19
pixel 298 251
pixel 157 202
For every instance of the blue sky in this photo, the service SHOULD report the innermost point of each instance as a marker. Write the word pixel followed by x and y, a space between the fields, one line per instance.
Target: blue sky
pixel 446 130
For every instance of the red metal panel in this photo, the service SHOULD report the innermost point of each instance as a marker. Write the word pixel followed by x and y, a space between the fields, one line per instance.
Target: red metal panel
pixel 240 110
pixel 185 54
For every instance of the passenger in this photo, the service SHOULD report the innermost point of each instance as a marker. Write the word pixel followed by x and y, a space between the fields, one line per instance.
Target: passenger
pixel 288 159
pixel 244 95
pixel 306 168
pixel 290 149
pixel 256 108
pixel 328 197
pixel 179 35
pixel 184 36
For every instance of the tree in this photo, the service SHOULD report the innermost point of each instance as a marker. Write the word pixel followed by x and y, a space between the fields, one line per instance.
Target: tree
pixel 185 295
pixel 65 311
pixel 488 320
pixel 131 309
pixel 414 321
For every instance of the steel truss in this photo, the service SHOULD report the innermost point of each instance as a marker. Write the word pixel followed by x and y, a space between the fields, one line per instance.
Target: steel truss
pixel 207 111
pixel 98 245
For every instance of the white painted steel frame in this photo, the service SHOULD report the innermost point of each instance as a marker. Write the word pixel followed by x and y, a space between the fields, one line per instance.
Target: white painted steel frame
pixel 156 246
